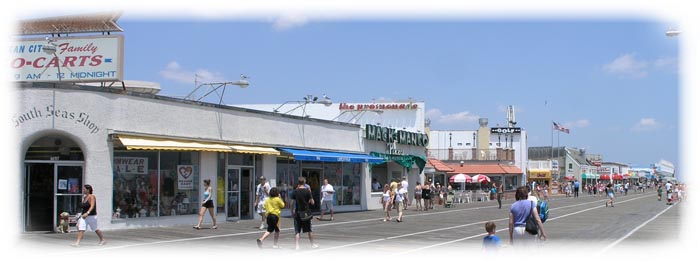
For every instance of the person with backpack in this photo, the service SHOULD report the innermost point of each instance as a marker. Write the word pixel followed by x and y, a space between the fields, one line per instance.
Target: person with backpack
pixel 520 211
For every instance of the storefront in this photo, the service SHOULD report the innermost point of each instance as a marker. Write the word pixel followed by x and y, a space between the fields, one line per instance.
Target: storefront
pixel 346 172
pixel 403 153
pixel 146 155
pixel 543 177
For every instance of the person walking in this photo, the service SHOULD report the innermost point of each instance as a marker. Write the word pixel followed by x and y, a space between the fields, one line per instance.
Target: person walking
pixel 610 191
pixel 261 193
pixel 425 194
pixel 418 190
pixel 88 216
pixel 327 198
pixel 273 207
pixel 499 193
pixel 207 203
pixel 386 202
pixel 398 200
pixel 491 242
pixel 577 187
pixel 520 212
pixel 404 191
pixel 302 202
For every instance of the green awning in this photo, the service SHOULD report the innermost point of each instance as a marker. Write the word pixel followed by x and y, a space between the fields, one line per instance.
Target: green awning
pixel 406 161
pixel 590 176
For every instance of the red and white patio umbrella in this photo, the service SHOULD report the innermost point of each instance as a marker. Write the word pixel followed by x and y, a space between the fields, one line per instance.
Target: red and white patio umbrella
pixel 460 178
pixel 480 178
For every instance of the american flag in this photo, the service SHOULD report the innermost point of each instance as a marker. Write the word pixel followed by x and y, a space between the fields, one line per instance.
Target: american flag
pixel 558 127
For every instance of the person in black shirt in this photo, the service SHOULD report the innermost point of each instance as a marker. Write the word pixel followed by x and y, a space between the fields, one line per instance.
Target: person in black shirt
pixel 302 201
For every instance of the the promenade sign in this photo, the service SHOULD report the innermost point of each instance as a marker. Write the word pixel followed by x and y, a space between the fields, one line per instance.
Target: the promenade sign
pixel 78 59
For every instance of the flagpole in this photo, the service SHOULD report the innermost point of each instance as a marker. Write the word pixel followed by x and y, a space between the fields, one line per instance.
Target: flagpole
pixel 559 172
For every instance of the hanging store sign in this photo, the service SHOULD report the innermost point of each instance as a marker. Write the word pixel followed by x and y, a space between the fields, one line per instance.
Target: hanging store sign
pixel 378 106
pixel 185 177
pixel 75 59
pixel 505 130
pixel 389 135
pixel 131 165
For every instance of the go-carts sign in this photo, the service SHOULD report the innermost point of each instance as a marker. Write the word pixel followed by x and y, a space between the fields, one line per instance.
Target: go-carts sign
pixel 76 59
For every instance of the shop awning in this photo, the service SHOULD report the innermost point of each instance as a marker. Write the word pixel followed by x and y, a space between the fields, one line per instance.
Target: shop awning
pixel 406 161
pixel 329 156
pixel 149 143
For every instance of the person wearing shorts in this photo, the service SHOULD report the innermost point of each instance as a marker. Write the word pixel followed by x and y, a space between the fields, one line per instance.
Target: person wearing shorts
pixel 611 195
pixel 88 217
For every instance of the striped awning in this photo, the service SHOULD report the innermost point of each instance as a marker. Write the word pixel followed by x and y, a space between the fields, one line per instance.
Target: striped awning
pixel 150 143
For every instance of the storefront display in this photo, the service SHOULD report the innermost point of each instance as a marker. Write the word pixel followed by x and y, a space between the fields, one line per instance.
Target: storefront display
pixel 145 188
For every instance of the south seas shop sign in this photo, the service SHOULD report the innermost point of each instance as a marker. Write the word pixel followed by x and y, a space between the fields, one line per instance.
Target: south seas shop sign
pixel 373 132
pixel 77 59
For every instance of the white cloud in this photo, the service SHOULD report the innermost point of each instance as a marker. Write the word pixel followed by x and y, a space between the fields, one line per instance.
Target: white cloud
pixel 436 116
pixel 174 72
pixel 627 65
pixel 666 62
pixel 289 21
pixel 646 124
pixel 583 123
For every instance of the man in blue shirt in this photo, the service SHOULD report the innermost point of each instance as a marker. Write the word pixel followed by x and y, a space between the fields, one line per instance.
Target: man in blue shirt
pixel 577 185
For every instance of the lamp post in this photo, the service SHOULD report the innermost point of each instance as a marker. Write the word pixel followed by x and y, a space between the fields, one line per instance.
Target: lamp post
pixel 243 83
pixel 50 49
pixel 450 139
pixel 325 100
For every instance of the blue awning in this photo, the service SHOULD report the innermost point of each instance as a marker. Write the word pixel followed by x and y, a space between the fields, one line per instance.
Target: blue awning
pixel 328 156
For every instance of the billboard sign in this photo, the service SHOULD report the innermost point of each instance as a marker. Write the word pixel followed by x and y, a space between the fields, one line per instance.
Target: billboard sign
pixel 76 59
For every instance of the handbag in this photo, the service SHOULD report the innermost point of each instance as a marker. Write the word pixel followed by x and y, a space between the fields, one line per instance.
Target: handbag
pixel 531 223
pixel 305 215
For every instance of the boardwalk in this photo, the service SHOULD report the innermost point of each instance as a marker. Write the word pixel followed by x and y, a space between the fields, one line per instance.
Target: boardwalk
pixel 637 224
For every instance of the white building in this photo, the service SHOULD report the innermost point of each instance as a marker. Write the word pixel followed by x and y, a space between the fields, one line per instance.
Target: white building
pixel 393 131
pixel 147 155
pixel 485 146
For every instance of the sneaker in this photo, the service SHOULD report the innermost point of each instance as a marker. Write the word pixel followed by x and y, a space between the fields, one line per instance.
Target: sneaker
pixel 75 245
pixel 102 243
pixel 276 247
pixel 259 243
pixel 262 226
pixel 314 246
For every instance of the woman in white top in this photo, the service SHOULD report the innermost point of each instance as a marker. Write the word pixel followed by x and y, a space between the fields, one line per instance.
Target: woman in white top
pixel 386 202
pixel 207 203
pixel 399 202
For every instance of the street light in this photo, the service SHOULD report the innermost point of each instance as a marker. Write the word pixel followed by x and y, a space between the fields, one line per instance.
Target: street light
pixel 356 116
pixel 243 83
pixel 50 49
pixel 672 33
pixel 325 100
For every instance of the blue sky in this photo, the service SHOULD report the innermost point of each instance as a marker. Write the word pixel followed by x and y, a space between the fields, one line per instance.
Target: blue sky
pixel 608 74
pixel 613 82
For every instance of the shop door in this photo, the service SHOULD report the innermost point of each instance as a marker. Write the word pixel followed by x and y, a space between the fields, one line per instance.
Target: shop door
pixel 233 194
pixel 69 190
pixel 247 194
pixel 313 178
pixel 39 181
pixel 51 188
